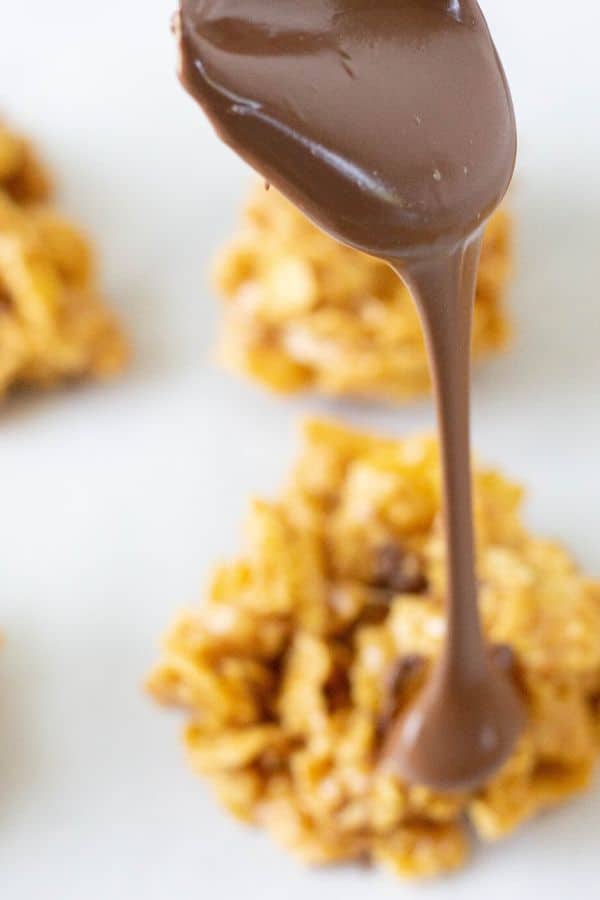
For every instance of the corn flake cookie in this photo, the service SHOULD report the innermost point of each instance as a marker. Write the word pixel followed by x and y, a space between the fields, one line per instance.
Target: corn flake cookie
pixel 302 311
pixel 319 636
pixel 54 324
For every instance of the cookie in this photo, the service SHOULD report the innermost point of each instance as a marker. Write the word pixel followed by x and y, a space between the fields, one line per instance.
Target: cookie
pixel 54 324
pixel 314 640
pixel 302 312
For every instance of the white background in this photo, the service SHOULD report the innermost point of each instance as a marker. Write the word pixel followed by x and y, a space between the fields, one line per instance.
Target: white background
pixel 115 501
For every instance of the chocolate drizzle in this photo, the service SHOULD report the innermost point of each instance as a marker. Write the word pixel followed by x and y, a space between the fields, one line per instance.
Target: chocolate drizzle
pixel 390 124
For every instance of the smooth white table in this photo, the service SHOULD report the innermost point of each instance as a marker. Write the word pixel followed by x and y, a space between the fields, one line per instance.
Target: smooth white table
pixel 116 500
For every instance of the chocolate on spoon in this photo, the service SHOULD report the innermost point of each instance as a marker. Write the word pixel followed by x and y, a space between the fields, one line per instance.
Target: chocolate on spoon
pixel 390 124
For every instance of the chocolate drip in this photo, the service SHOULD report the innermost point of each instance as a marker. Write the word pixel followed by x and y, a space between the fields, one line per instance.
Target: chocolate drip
pixel 469 716
pixel 390 124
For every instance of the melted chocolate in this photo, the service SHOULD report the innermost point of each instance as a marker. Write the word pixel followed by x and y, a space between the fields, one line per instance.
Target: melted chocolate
pixel 390 124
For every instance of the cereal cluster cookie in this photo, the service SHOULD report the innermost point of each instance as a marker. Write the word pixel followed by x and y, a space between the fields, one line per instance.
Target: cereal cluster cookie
pixel 54 324
pixel 315 640
pixel 304 312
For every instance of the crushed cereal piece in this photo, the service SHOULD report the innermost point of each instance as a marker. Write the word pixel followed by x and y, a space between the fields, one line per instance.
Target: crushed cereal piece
pixel 53 321
pixel 304 312
pixel 290 684
pixel 22 175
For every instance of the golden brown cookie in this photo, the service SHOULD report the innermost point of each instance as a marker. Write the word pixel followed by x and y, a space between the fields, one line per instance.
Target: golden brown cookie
pixel 319 635
pixel 304 312
pixel 53 321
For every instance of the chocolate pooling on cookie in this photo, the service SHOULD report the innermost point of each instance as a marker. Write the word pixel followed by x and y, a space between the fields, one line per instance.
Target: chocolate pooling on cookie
pixel 389 123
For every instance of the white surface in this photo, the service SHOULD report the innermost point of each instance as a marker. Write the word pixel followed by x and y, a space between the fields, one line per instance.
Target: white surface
pixel 116 500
